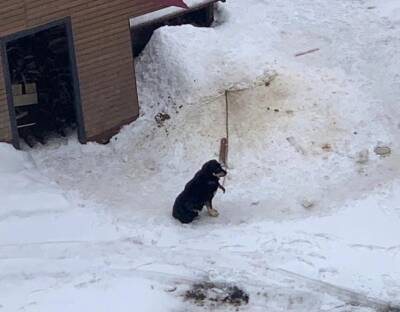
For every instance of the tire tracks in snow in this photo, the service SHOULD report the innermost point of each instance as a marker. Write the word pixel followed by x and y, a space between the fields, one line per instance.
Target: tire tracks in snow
pixel 118 259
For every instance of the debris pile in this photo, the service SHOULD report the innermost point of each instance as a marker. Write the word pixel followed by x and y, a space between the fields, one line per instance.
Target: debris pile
pixel 214 294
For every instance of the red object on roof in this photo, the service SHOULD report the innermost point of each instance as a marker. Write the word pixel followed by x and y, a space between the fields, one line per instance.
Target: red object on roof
pixel 177 3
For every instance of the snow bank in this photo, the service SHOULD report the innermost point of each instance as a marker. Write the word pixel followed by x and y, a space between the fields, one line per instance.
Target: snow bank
pixel 12 161
pixel 187 65
pixel 305 134
pixel 35 209
pixel 23 191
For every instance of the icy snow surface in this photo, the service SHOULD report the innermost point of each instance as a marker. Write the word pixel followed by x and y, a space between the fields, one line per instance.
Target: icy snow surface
pixel 89 228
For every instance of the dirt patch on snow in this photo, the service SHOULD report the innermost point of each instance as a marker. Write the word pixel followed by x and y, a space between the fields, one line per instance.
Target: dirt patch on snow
pixel 208 293
pixel 160 118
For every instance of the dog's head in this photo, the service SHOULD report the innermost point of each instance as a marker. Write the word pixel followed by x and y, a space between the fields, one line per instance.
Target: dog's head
pixel 214 168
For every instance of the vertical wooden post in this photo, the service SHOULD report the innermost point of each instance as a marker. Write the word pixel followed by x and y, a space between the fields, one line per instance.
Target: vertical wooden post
pixel 223 150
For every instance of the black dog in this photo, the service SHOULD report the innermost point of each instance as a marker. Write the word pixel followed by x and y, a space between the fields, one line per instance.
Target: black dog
pixel 199 192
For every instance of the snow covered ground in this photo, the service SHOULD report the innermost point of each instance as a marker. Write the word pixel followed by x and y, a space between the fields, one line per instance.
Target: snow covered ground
pixel 311 218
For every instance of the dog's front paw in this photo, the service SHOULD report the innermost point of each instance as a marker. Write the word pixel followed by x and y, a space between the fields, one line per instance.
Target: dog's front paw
pixel 213 213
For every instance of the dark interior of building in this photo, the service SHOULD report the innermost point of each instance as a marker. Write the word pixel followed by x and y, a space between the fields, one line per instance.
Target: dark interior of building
pixel 42 85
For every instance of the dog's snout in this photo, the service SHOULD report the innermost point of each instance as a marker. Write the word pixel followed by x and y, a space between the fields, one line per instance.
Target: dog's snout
pixel 221 173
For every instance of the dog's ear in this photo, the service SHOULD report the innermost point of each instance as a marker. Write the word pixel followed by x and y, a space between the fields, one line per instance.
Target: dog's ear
pixel 208 166
pixel 215 162
pixel 211 166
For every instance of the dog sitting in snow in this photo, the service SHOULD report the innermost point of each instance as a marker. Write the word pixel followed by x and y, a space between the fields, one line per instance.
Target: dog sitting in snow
pixel 199 192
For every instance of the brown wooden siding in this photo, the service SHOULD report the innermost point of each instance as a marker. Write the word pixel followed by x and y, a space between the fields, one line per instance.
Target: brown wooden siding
pixel 5 128
pixel 103 54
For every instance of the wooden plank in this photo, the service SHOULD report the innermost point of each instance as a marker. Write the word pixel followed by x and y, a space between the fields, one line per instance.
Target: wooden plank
pixel 7 13
pixel 119 65
pixel 10 6
pixel 12 28
pixel 115 32
pixel 113 88
pixel 107 69
pixel 103 44
pixel 107 60
pixel 130 107
pixel 109 64
pixel 99 104
pixel 103 104
pixel 77 8
pixel 118 21
pixel 126 109
pixel 4 122
pixel 5 127
pixel 4 109
pixel 91 53
pixel 43 3
pixel 106 119
pixel 101 137
pixel 144 7
pixel 102 23
pixel 114 85
pixel 103 68
pixel 5 22
pixel 97 39
pixel 118 14
pixel 36 9
pixel 85 36
pixel 93 95
pixel 87 14
pixel 2 87
pixel 47 18
pixel 3 104
pixel 105 89
pixel 108 112
pixel 101 125
pixel 97 7
pixel 123 62
pixel 5 130
pixel 4 119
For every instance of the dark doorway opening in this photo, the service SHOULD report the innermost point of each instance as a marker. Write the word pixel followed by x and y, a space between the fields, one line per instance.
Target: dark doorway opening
pixel 42 83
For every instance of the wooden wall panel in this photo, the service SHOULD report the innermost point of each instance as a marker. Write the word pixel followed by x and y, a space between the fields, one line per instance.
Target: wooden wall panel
pixel 109 58
pixel 5 127
pixel 103 50
pixel 12 17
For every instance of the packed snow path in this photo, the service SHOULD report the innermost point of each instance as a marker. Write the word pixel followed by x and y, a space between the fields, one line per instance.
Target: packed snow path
pixel 89 227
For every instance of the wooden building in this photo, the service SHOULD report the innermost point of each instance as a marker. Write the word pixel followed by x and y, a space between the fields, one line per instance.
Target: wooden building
pixel 97 33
